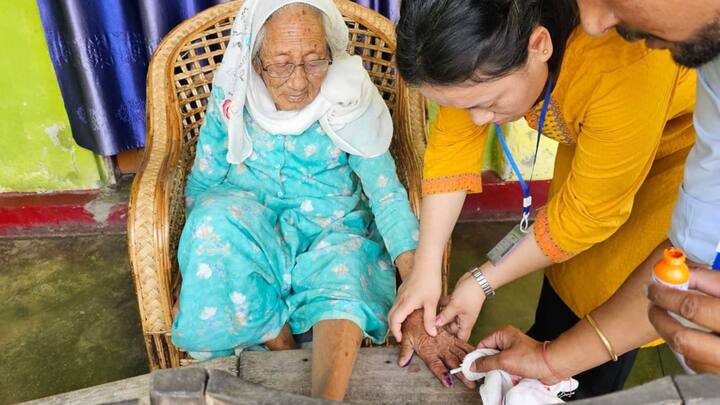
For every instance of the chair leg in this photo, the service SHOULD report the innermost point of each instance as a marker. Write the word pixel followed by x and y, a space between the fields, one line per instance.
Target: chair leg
pixel 335 347
pixel 151 349
pixel 161 353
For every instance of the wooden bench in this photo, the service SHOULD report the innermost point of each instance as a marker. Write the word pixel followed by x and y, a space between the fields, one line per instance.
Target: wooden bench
pixel 284 378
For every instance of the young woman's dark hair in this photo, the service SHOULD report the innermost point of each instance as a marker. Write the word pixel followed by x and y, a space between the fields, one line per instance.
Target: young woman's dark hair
pixel 446 42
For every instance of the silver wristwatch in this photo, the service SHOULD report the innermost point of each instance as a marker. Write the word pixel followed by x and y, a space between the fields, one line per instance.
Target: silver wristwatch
pixel 480 278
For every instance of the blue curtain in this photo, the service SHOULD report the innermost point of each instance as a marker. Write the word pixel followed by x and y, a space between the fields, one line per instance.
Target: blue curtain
pixel 100 50
pixel 388 8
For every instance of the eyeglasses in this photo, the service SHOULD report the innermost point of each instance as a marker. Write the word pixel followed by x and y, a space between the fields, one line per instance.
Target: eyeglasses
pixel 284 70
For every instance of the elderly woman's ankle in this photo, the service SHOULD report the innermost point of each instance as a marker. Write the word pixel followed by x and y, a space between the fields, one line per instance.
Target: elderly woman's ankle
pixel 283 341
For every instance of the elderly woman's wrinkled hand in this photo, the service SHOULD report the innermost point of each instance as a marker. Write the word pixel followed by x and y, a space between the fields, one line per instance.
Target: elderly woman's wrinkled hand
pixel 440 353
pixel 700 349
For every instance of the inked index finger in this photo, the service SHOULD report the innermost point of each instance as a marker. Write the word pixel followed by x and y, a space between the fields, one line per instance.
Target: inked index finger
pixel 437 367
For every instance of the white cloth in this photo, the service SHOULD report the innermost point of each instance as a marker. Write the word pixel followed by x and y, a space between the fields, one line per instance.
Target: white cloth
pixel 502 388
pixel 349 107
pixel 696 217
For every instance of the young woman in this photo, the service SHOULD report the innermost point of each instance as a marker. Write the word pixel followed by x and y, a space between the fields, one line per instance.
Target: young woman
pixel 623 116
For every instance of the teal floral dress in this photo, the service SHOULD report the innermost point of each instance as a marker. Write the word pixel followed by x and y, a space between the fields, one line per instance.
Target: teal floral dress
pixel 298 233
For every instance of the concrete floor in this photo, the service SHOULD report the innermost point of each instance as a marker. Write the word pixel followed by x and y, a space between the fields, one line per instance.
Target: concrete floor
pixel 70 318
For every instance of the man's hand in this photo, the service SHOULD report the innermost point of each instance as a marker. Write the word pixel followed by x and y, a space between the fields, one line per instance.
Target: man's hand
pixel 700 349
pixel 519 355
pixel 440 353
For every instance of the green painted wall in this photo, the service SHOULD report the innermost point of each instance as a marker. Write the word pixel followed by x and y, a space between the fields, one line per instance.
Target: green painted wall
pixel 37 151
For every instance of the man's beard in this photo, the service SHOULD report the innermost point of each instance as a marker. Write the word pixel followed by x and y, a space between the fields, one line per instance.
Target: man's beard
pixel 703 48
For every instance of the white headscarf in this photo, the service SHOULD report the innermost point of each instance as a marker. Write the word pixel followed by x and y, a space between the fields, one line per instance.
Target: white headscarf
pixel 349 107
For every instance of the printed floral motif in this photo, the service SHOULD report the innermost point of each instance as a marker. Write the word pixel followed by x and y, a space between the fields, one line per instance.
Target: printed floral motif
pixel 207 313
pixel 204 232
pixel 307 206
pixel 226 104
pixel 341 270
pixel 204 271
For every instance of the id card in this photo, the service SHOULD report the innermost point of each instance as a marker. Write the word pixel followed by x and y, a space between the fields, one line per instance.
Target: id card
pixel 506 245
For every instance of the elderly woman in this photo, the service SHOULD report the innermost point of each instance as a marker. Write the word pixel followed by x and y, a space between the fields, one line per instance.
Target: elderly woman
pixel 295 212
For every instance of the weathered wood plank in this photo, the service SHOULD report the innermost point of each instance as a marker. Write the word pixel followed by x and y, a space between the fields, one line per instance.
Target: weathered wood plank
pixel 376 378
pixel 124 390
pixel 699 389
pixel 229 364
pixel 226 389
pixel 180 386
pixel 658 392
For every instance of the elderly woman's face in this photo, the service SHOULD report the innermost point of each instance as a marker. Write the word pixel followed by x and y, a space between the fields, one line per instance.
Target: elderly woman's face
pixel 294 35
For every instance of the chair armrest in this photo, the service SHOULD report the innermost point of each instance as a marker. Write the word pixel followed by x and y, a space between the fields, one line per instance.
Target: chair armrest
pixel 156 206
pixel 410 141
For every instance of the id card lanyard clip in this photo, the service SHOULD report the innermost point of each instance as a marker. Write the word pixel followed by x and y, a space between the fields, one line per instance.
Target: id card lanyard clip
pixel 527 196
pixel 510 240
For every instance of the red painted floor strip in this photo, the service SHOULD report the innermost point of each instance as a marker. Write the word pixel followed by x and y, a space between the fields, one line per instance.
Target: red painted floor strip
pixel 56 213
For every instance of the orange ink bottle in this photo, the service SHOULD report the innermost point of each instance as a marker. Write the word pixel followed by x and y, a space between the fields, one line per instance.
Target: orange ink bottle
pixel 671 271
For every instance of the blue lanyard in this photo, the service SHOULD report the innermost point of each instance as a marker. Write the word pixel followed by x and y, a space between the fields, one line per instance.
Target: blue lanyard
pixel 716 263
pixel 527 197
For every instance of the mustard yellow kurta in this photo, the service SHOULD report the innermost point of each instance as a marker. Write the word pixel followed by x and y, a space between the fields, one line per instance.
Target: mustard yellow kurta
pixel 623 116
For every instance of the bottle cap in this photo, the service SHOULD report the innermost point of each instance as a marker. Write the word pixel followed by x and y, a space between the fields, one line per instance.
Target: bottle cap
pixel 671 270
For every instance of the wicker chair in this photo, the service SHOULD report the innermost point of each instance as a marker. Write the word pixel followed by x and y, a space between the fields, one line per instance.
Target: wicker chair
pixel 178 85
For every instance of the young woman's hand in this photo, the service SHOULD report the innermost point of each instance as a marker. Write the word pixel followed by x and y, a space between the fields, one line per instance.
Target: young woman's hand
pixel 421 290
pixel 422 287
pixel 461 311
